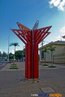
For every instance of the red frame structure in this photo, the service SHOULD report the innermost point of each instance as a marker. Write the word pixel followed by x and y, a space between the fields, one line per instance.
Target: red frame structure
pixel 31 39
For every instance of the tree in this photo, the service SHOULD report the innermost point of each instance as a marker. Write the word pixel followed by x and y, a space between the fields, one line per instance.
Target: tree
pixel 15 45
pixel 0 55
pixel 19 55
pixel 11 56
pixel 45 51
pixel 24 52
pixel 52 49
pixel 4 56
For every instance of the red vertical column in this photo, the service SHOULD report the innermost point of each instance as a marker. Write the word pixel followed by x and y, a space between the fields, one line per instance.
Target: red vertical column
pixel 34 56
pixel 28 65
pixel 29 61
pixel 36 64
pixel 26 61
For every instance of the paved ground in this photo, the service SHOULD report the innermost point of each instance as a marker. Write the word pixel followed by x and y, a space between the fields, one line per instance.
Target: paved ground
pixel 2 64
pixel 12 83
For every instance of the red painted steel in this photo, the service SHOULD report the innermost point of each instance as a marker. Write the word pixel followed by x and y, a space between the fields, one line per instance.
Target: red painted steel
pixel 31 39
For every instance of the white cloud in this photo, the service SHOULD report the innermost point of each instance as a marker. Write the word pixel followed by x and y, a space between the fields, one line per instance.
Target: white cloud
pixel 60 4
pixel 62 31
pixel 55 2
pixel 58 38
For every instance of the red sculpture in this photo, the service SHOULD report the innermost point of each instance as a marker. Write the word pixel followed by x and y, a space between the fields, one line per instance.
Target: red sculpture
pixel 31 39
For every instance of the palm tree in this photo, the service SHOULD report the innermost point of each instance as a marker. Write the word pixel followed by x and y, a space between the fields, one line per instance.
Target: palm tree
pixel 52 49
pixel 45 51
pixel 15 45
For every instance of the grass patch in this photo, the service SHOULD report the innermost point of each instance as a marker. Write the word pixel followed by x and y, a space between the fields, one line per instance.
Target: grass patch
pixel 52 66
pixel 45 64
pixel 13 66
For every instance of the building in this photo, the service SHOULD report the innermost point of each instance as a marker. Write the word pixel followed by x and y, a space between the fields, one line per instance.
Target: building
pixel 56 55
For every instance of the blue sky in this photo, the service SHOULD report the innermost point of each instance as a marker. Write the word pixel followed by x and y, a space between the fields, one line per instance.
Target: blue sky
pixel 48 12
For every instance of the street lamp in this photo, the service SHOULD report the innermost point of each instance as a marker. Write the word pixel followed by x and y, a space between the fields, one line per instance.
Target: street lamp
pixel 8 46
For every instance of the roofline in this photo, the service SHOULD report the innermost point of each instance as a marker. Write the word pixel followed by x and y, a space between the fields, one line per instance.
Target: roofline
pixel 52 43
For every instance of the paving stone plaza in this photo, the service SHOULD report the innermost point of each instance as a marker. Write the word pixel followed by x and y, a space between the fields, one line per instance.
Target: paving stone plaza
pixel 13 84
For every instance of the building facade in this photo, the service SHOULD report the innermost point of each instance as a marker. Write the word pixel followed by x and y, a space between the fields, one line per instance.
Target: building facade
pixel 54 52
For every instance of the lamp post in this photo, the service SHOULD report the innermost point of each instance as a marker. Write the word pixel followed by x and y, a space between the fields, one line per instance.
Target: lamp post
pixel 8 46
pixel 15 45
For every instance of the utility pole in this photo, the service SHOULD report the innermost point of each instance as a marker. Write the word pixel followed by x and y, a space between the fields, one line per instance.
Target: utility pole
pixel 8 46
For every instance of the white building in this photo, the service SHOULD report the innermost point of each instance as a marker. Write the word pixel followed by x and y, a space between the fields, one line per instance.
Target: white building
pixel 58 55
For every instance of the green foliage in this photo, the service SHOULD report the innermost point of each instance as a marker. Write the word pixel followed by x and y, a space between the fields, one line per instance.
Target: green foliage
pixel 45 49
pixel 4 54
pixel 14 44
pixel 52 66
pixel 19 54
pixel 45 64
pixel 24 52
pixel 11 56
pixel 13 66
pixel 0 54
pixel 51 48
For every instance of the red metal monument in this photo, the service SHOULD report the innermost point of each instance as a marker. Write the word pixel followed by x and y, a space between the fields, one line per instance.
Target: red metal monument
pixel 31 39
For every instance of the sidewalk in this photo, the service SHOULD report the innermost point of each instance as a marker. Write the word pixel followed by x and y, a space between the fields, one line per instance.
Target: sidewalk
pixel 19 65
pixel 57 66
pixel 14 84
pixel 25 89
